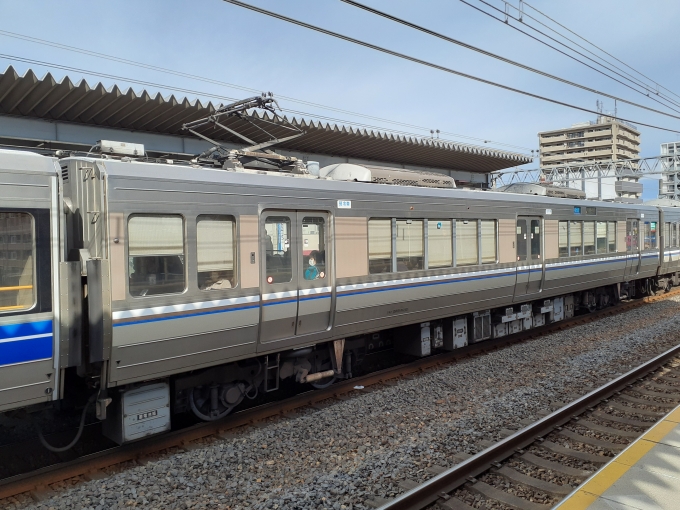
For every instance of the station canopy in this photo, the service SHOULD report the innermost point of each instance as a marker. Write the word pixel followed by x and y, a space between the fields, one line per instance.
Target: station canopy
pixel 79 102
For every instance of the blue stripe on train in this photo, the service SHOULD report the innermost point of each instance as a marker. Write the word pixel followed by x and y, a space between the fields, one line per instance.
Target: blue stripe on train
pixel 25 329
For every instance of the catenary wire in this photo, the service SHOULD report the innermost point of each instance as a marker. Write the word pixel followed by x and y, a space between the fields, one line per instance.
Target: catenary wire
pixel 224 98
pixel 567 54
pixel 429 64
pixel 152 67
pixel 602 50
pixel 499 57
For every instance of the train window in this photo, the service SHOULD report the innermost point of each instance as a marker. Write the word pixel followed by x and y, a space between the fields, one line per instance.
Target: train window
pixel 379 246
pixel 601 235
pixel 575 238
pixel 410 250
pixel 667 235
pixel 279 264
pixel 674 235
pixel 649 235
pixel 563 229
pixel 215 252
pixel 17 274
pixel 489 242
pixel 611 236
pixel 439 244
pixel 588 237
pixel 313 248
pixel 535 239
pixel 156 255
pixel 467 252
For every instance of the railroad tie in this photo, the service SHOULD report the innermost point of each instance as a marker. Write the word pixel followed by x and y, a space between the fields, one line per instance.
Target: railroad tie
pixel 619 419
pixel 489 492
pixel 540 462
pixel 651 403
pixel 574 454
pixel 454 504
pixel 661 386
pixel 530 482
pixel 574 436
pixel 659 394
pixel 634 410
pixel 608 430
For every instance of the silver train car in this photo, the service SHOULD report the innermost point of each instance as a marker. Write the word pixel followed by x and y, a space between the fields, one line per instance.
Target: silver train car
pixel 168 288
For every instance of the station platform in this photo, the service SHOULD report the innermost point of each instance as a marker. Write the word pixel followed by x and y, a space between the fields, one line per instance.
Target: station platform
pixel 645 476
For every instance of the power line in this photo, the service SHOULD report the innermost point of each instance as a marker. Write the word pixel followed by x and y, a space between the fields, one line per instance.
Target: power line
pixel 113 58
pixel 567 54
pixel 426 63
pixel 602 50
pixel 218 96
pixel 498 57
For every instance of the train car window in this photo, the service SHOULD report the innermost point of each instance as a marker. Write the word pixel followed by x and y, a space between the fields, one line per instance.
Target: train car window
pixel 156 255
pixel 215 252
pixel 17 253
pixel 467 248
pixel 521 233
pixel 535 239
pixel 313 248
pixel 611 236
pixel 575 238
pixel 649 242
pixel 563 229
pixel 379 246
pixel 489 242
pixel 601 236
pixel 279 263
pixel 588 237
pixel 410 246
pixel 439 243
pixel 667 235
pixel 674 235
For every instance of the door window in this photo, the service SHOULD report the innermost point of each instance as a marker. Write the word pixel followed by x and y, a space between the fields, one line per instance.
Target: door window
pixel 632 236
pixel 17 247
pixel 521 240
pixel 535 236
pixel 278 264
pixel 313 248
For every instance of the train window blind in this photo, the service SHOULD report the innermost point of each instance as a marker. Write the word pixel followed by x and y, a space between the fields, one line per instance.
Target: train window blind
pixel 563 229
pixel 17 260
pixel 611 236
pixel 215 252
pixel 674 235
pixel 667 235
pixel 488 238
pixel 410 245
pixel 601 233
pixel 575 238
pixel 379 246
pixel 439 244
pixel 156 260
pixel 588 237
pixel 466 243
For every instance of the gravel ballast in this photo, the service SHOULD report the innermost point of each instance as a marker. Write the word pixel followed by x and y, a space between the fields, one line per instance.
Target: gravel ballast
pixel 356 450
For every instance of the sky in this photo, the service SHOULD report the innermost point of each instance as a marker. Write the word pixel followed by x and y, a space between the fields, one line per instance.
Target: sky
pixel 219 41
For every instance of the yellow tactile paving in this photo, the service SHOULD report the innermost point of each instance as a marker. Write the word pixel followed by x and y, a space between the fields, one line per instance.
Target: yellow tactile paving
pixel 598 484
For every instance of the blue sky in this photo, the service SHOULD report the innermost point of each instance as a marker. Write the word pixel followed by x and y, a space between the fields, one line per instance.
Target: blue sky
pixel 220 41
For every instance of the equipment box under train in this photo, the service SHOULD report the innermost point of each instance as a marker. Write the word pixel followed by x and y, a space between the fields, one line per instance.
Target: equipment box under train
pixel 138 413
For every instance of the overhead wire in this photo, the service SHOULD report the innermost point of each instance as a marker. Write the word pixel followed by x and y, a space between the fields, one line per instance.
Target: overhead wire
pixel 499 57
pixel 426 63
pixel 226 98
pixel 113 58
pixel 567 54
pixel 601 49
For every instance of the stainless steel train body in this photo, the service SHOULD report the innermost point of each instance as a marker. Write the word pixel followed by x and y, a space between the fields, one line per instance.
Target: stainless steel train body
pixel 145 274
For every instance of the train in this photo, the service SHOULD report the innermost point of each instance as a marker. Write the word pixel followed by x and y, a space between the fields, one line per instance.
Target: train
pixel 156 288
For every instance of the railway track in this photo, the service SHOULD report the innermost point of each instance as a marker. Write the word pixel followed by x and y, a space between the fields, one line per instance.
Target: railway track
pixel 37 483
pixel 537 466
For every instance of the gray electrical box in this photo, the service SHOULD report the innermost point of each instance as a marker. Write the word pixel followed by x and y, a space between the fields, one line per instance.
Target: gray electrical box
pixel 481 325
pixel 138 413
pixel 455 333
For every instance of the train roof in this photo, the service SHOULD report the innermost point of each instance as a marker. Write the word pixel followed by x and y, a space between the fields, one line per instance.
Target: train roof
pixel 184 173
pixel 24 161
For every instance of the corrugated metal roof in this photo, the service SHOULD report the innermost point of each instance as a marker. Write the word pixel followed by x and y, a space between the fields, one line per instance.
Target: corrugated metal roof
pixel 30 96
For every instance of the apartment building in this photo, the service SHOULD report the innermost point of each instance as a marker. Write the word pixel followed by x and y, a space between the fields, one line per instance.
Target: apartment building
pixel 600 142
pixel 669 185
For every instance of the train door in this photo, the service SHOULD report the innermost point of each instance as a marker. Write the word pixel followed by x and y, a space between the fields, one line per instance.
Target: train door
pixel 529 236
pixel 632 247
pixel 295 282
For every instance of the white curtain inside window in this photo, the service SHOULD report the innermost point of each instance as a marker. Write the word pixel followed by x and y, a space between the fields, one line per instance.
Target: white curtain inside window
pixel 155 235
pixel 215 243
pixel 439 246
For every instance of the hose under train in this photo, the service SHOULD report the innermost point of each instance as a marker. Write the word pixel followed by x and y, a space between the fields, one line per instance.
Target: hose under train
pixel 81 427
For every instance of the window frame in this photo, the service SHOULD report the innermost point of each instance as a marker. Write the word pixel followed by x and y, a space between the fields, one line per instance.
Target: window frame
pixel 395 238
pixel 477 232
pixel 185 238
pixel 495 239
pixel 35 277
pixel 392 257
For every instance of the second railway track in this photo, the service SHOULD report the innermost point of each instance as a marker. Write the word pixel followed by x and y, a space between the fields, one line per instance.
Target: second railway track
pixel 89 466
